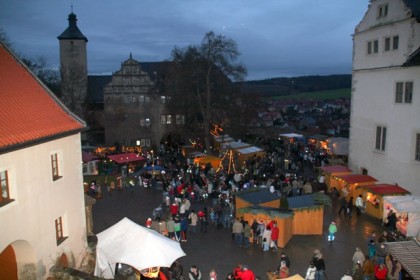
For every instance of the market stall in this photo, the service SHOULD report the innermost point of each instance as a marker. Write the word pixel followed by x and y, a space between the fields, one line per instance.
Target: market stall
pixel 407 208
pixel 247 153
pixel 206 159
pixel 348 185
pixel 283 218
pixel 90 163
pixel 308 216
pixel 329 171
pixel 374 195
pixel 222 140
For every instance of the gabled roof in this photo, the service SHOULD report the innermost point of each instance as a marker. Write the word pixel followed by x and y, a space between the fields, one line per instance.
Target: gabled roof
pixel 356 178
pixel 257 196
pixel 385 189
pixel 301 201
pixel 96 84
pixel 30 112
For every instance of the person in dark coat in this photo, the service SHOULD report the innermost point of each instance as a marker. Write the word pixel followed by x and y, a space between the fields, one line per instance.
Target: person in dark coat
pixel 319 265
pixel 343 204
pixel 392 220
pixel 349 207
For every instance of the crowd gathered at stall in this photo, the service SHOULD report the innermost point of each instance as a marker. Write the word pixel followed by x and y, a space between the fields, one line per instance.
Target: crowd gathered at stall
pixel 198 197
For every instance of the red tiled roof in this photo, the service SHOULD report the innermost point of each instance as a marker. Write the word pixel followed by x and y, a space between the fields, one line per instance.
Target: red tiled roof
pixel 124 158
pixel 356 178
pixel 28 111
pixel 335 169
pixel 385 189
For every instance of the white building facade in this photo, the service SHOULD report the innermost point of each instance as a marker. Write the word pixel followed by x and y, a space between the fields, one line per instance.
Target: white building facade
pixel 42 207
pixel 385 116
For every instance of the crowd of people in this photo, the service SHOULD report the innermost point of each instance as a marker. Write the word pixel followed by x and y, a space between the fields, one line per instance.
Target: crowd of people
pixel 185 184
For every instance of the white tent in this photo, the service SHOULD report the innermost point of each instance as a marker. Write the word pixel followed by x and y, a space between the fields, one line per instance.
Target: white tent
pixel 291 135
pixel 406 207
pixel 129 243
pixel 338 146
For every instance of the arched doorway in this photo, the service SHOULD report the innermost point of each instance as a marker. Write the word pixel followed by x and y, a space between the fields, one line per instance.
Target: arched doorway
pixel 17 261
pixel 63 261
pixel 8 265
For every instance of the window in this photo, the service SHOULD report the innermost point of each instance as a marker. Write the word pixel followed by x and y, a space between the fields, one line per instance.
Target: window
pixel 144 142
pixel 372 47
pixel 59 233
pixel 5 193
pixel 387 46
pixel 180 119
pixel 382 11
pixel 380 138
pixel 54 167
pixel 145 122
pixel 395 42
pixel 417 155
pixel 404 92
pixel 165 99
pixel 165 119
pixel 375 46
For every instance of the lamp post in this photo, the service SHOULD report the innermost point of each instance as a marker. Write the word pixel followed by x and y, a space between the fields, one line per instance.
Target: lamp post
pixel 153 164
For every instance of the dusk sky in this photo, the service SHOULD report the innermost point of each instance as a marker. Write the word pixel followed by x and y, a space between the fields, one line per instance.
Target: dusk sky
pixel 276 38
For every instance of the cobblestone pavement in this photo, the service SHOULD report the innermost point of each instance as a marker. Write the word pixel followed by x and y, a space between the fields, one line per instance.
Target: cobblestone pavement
pixel 215 249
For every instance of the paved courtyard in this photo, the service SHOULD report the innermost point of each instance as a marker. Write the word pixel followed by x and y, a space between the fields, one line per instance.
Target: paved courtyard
pixel 215 249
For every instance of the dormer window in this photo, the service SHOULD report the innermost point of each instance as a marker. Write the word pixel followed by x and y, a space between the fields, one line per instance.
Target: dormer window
pixel 382 10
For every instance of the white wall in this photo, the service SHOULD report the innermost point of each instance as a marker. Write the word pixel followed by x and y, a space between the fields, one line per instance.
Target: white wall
pixel 39 200
pixel 373 98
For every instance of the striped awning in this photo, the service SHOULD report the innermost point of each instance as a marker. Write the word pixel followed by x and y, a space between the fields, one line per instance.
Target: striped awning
pixel 408 254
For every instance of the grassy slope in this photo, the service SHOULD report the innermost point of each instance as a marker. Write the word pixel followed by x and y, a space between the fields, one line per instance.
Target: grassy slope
pixel 327 94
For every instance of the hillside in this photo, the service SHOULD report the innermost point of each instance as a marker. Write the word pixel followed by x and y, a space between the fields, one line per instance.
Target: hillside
pixel 295 85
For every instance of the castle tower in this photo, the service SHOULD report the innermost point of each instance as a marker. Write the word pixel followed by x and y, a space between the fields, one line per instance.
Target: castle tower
pixel 73 67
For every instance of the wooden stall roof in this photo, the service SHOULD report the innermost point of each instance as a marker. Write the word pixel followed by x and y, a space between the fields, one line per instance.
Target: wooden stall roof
pixel 236 145
pixel 250 150
pixel 303 201
pixel 223 138
pixel 86 157
pixel 356 178
pixel 385 189
pixel 408 254
pixel 272 212
pixel 257 196
pixel 335 169
pixel 125 158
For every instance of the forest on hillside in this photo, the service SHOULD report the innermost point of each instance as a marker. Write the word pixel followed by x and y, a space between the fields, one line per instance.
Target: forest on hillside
pixel 294 85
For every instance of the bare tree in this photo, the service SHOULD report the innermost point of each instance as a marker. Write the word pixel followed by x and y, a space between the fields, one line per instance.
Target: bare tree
pixel 74 89
pixel 205 69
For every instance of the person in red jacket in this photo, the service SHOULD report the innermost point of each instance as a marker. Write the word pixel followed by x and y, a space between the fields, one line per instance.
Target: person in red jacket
pixel 274 236
pixel 237 272
pixel 247 274
pixel 174 209
pixel 380 272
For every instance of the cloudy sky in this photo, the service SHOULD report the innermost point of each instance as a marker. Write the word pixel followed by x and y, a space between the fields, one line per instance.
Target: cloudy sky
pixel 276 38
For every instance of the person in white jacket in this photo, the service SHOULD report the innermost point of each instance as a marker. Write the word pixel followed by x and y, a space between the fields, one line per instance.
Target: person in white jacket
pixel 310 273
